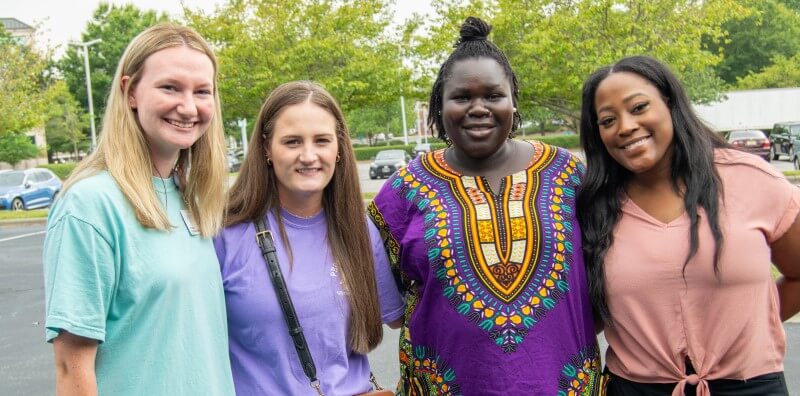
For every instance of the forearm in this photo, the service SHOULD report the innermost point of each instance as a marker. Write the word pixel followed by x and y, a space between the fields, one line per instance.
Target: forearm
pixel 788 296
pixel 75 360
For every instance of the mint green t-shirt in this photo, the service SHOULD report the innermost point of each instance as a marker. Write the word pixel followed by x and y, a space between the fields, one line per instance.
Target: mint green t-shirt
pixel 153 299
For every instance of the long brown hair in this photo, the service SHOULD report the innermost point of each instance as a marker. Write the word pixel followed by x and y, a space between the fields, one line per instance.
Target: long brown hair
pixel 123 150
pixel 255 193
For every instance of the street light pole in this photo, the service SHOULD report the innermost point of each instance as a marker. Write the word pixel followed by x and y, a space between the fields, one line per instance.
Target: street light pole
pixel 243 124
pixel 403 111
pixel 85 48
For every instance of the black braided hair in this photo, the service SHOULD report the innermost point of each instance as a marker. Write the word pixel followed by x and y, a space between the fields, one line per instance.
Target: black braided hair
pixel 472 43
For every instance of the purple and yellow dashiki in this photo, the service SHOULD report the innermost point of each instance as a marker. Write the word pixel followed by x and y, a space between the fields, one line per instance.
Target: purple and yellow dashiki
pixel 495 286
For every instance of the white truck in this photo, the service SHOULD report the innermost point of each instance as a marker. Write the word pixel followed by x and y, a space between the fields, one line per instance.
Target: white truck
pixel 752 109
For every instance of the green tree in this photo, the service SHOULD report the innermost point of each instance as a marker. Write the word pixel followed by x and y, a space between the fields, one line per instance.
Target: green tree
pixel 24 86
pixel 553 46
pixel 115 25
pixel 792 4
pixel 772 29
pixel 66 124
pixel 783 73
pixel 15 147
pixel 25 91
pixel 346 45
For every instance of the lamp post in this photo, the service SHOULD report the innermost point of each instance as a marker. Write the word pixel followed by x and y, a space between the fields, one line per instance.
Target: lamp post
pixel 243 124
pixel 85 47
pixel 403 112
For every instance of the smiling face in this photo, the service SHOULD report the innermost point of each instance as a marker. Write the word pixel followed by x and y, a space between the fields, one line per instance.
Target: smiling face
pixel 635 124
pixel 303 150
pixel 173 100
pixel 477 107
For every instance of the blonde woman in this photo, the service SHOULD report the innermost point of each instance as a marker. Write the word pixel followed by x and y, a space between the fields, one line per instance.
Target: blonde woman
pixel 134 299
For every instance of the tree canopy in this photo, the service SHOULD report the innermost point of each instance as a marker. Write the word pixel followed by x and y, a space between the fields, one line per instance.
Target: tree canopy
pixel 66 123
pixel 25 79
pixel 346 45
pixel 116 26
pixel 771 29
pixel 25 92
pixel 554 46
pixel 782 73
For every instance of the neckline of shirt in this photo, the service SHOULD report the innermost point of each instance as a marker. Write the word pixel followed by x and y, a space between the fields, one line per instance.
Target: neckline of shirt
pixel 295 221
pixel 164 185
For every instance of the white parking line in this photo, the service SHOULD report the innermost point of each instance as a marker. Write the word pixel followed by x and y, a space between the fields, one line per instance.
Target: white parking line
pixel 22 236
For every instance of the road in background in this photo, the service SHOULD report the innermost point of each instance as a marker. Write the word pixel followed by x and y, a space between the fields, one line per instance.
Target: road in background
pixel 26 361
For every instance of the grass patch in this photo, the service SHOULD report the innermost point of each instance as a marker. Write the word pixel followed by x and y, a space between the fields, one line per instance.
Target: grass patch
pixel 791 173
pixel 23 214
pixel 368 195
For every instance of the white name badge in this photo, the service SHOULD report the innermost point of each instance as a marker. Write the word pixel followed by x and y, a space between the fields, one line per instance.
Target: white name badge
pixel 188 219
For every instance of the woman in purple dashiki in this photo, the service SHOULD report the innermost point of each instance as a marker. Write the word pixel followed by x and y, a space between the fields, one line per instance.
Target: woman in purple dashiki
pixel 484 241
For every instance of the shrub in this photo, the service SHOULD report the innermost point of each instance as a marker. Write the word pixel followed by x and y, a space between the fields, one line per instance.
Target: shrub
pixel 61 170
pixel 366 153
pixel 565 141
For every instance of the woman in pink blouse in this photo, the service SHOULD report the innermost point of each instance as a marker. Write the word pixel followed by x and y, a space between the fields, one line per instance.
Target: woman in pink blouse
pixel 679 233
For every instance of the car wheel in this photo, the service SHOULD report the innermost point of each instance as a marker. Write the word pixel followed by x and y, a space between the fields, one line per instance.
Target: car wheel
pixel 17 204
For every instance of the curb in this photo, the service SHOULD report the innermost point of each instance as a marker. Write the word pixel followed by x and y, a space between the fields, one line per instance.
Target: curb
pixel 17 222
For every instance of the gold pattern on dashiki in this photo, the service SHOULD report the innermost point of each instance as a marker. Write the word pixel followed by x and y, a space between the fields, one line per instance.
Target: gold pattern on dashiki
pixel 503 230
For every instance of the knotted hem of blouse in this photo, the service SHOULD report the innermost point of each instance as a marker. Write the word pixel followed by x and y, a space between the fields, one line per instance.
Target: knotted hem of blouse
pixel 692 379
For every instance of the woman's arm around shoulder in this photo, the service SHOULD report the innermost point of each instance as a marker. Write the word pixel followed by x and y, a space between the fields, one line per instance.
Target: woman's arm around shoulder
pixel 74 359
pixel 391 301
pixel 786 257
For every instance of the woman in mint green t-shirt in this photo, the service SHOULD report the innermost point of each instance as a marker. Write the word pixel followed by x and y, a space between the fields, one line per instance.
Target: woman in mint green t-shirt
pixel 134 300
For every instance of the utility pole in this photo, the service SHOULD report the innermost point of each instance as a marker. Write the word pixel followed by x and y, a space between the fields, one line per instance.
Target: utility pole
pixel 243 125
pixel 85 49
pixel 403 111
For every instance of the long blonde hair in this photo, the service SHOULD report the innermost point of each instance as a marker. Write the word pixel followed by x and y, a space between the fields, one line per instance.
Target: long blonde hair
pixel 255 193
pixel 123 149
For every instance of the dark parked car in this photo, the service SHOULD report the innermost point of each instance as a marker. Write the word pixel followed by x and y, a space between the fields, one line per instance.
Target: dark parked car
pixel 785 137
pixel 387 162
pixel 753 141
pixel 28 189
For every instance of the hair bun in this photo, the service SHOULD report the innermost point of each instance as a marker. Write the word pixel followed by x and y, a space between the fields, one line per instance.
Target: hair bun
pixel 474 29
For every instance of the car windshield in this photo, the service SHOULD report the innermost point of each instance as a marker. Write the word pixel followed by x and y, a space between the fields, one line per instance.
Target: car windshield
pixel 747 135
pixel 10 179
pixel 389 155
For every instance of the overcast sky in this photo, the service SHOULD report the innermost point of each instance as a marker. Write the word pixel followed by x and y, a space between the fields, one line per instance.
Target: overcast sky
pixel 64 20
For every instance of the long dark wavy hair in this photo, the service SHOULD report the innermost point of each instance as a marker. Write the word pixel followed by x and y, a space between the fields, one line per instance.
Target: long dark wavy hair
pixel 692 172
pixel 473 43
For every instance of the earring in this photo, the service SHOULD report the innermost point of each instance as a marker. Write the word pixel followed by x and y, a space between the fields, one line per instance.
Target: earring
pixel 338 157
pixel 269 161
pixel 515 109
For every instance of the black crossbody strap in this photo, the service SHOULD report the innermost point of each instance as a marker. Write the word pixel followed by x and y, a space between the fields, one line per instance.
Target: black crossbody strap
pixel 267 245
